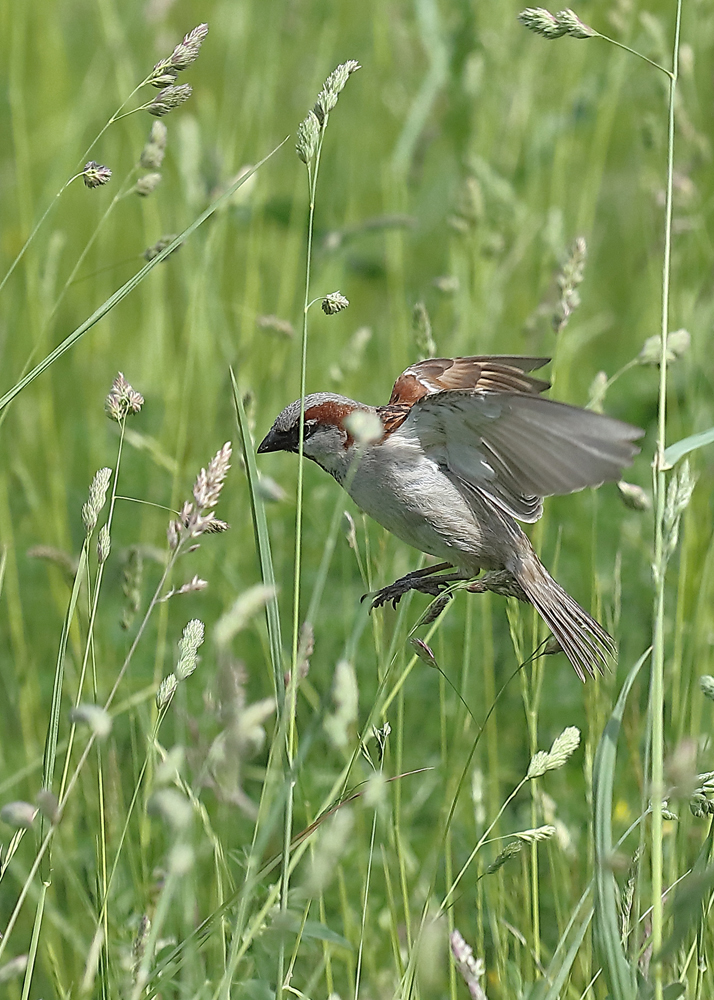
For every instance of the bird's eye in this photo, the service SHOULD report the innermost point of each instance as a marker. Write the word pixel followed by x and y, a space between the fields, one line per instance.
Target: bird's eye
pixel 310 427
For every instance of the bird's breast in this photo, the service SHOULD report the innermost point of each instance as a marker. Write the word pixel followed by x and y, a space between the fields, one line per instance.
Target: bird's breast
pixel 408 493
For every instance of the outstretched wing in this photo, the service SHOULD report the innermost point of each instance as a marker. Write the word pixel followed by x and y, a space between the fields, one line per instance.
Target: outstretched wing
pixel 500 373
pixel 519 447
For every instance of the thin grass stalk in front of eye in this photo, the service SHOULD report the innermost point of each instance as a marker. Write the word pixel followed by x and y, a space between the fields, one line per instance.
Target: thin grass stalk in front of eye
pixel 660 558
pixel 310 137
pixel 290 702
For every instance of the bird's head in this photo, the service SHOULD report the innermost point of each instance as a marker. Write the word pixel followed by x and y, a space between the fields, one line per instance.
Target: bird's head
pixel 326 439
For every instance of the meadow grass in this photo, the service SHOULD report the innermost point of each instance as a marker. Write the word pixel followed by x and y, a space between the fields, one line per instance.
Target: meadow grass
pixel 321 808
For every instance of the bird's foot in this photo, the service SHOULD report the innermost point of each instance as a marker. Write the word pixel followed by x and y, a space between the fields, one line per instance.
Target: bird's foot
pixel 422 580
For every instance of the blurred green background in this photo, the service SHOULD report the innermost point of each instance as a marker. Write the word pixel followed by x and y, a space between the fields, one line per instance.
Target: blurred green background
pixel 462 161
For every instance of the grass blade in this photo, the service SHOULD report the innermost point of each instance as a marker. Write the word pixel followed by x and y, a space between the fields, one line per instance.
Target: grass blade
pixel 679 449
pixel 262 541
pixel 619 974
pixel 549 988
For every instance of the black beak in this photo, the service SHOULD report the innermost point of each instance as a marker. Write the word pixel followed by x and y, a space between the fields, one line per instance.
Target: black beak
pixel 275 440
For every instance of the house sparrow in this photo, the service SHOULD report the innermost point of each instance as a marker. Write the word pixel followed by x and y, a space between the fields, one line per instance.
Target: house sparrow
pixel 468 448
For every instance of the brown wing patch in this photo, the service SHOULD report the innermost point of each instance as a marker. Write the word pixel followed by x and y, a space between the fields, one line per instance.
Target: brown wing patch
pixel 393 416
pixel 408 388
pixel 504 373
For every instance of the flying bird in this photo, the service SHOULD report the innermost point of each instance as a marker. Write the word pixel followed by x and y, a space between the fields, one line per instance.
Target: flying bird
pixel 467 448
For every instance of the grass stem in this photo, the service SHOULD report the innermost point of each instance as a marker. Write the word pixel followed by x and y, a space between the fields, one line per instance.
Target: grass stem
pixel 660 558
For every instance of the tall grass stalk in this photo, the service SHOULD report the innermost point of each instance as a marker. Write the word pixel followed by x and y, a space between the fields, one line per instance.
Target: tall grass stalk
pixel 660 559
pixel 290 701
pixel 310 151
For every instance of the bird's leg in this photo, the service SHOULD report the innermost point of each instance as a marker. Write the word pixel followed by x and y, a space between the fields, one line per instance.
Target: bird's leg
pixel 422 580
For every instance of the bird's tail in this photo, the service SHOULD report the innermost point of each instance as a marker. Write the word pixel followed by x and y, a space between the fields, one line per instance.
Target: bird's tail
pixel 583 640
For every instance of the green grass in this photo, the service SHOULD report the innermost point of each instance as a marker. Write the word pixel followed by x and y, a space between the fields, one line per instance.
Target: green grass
pixel 465 148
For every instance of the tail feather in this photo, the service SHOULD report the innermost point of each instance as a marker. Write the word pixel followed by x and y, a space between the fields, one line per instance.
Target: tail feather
pixel 583 640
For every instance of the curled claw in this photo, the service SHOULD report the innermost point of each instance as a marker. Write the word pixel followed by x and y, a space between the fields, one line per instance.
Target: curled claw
pixel 422 580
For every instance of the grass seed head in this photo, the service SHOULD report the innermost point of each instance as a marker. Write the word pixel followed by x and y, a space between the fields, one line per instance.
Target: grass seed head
pixel 95 174
pixel 160 246
pixel 181 859
pixel 169 99
pixel 15 967
pixel 187 51
pixel 570 276
pixel 334 303
pixel 423 337
pixel 633 496
pixel 163 74
pixel 147 184
pixel 573 25
pixel 171 806
pixel 472 969
pixel 334 839
pixel 188 648
pixel 94 716
pixel 138 947
pixel 209 482
pixel 195 584
pixel 166 691
pixel 276 324
pixel 246 606
pixel 152 155
pixel 197 518
pixel 700 806
pixel 511 850
pixel 563 747
pixel 381 736
pixel 66 562
pixel 213 525
pixel 20 815
pixel 542 22
pixel 423 651
pixel 345 698
pixel 250 731
pixel 679 493
pixel 564 22
pixel 678 343
pixel 332 88
pixel 173 534
pixel 122 400
pixel 308 134
pixel 166 71
pixel 48 805
pixel 536 835
pixel 104 544
pixel 96 500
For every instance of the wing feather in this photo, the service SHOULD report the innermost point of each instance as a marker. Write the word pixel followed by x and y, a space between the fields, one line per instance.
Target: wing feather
pixel 520 447
pixel 500 373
